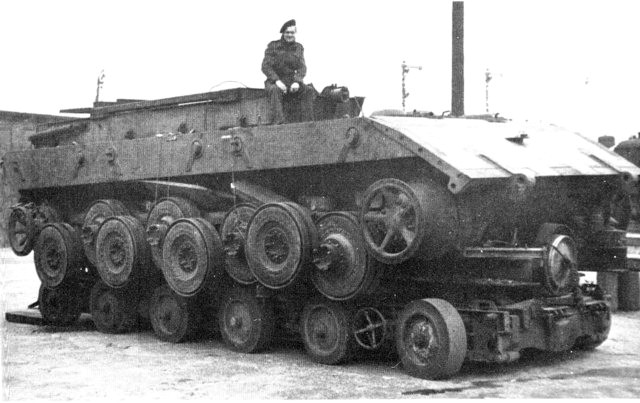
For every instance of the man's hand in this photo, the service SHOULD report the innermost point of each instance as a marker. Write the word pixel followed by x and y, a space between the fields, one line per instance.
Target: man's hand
pixel 295 87
pixel 281 85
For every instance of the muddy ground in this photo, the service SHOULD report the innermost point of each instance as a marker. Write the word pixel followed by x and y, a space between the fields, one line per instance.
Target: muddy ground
pixel 80 363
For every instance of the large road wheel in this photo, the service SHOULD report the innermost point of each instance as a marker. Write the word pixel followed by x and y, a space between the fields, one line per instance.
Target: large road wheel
pixel 113 310
pixel 279 245
pixel 193 257
pixel 392 221
pixel 161 216
pixel 24 224
pixel 310 230
pixel 431 339
pixel 172 317
pixel 246 322
pixel 21 229
pixel 58 254
pixel 560 269
pixel 344 268
pixel 234 235
pixel 122 251
pixel 327 334
pixel 99 211
pixel 60 306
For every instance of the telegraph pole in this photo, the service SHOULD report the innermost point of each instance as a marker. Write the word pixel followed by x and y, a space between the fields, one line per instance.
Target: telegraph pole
pixel 487 78
pixel 405 70
pixel 457 59
pixel 99 85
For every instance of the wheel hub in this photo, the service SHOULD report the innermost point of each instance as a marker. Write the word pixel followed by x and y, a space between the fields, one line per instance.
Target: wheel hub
pixel 117 253
pixel 333 254
pixel 187 258
pixel 276 246
pixel 52 257
pixel 106 309
pixel 421 339
pixel 322 329
pixel 235 322
pixel 320 332
pixel 371 328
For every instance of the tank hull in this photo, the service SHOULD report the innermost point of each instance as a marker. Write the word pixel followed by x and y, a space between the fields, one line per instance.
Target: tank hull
pixel 473 229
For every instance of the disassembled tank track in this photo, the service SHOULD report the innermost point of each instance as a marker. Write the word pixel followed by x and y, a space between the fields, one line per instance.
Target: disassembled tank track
pixel 342 281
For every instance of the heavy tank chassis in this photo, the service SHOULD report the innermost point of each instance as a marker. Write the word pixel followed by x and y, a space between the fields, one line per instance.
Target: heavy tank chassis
pixel 349 233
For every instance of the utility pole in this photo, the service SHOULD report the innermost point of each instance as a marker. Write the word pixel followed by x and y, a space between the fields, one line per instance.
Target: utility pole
pixel 99 85
pixel 405 71
pixel 487 78
pixel 457 59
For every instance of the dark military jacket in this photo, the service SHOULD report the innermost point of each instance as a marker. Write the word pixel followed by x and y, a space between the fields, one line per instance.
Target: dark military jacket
pixel 284 61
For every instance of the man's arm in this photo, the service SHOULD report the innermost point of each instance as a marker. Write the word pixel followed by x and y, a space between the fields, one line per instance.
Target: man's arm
pixel 268 63
pixel 302 69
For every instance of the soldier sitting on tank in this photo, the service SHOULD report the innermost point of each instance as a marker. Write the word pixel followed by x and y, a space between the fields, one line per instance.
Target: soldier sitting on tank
pixel 285 68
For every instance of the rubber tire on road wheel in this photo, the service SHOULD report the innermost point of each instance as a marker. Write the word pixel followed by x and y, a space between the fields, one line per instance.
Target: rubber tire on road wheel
pixel 21 230
pixel 97 213
pixel 246 322
pixel 165 212
pixel 57 254
pixel 113 310
pixel 193 257
pixel 60 306
pixel 122 251
pixel 326 328
pixel 172 317
pixel 419 325
pixel 279 245
pixel 236 223
pixel 357 273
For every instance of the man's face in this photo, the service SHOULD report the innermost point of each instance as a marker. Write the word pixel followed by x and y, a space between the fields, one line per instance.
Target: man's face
pixel 290 34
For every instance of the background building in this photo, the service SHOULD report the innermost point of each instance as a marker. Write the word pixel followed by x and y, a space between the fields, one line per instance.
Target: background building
pixel 15 129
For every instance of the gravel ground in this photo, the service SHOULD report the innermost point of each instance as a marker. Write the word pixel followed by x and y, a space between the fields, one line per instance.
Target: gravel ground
pixel 82 364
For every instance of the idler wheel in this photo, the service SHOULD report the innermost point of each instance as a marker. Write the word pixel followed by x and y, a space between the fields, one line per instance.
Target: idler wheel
pixel 161 216
pixel 122 251
pixel 395 218
pixel 21 228
pixel 192 256
pixel 58 254
pixel 327 334
pixel 246 322
pixel 279 244
pixel 431 339
pixel 99 211
pixel 60 306
pixel 560 266
pixel 172 317
pixel 344 269
pixel 113 310
pixel 234 237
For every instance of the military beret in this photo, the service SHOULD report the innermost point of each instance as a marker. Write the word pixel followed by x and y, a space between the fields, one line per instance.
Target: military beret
pixel 290 23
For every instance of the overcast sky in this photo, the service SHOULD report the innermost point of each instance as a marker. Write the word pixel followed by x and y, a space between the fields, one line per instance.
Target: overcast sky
pixel 572 63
